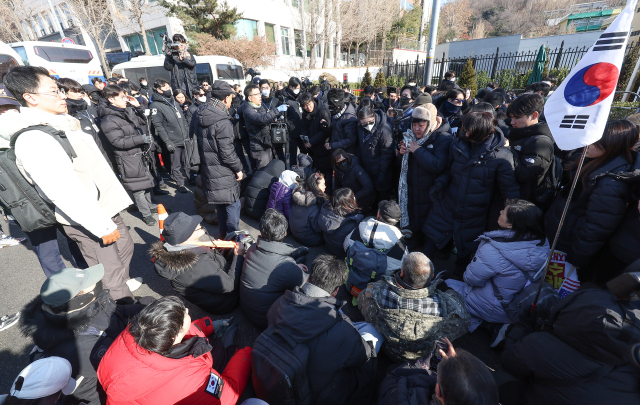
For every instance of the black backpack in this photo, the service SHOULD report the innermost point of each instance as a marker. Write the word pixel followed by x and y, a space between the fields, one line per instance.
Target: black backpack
pixel 19 197
pixel 550 185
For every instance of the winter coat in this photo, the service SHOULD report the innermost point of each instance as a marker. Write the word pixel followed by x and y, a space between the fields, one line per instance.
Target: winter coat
pixel 82 337
pixel 90 123
pixel 335 228
pixel 376 152
pixel 131 375
pixel 341 365
pixel 259 188
pixel 319 134
pixel 386 237
pixel 625 242
pixel 409 334
pixel 303 217
pixel 466 192
pixel 532 149
pixel 257 120
pixel 237 119
pixel 182 71
pixel 594 214
pixel 304 168
pixel 268 271
pixel 280 193
pixel 408 384
pixel 205 209
pixel 499 258
pixel 585 359
pixel 344 134
pixel 169 122
pixel 201 275
pixel 124 128
pixel 294 114
pixel 220 162
pixel 357 179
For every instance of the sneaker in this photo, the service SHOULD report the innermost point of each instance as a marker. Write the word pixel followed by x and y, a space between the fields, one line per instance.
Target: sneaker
pixel 150 221
pixel 10 241
pixel 499 333
pixel 183 189
pixel 8 321
pixel 134 283
pixel 158 191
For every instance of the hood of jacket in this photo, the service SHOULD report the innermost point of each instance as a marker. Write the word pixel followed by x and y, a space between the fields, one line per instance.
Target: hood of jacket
pixel 211 115
pixel 620 169
pixel 524 254
pixel 279 248
pixel 288 93
pixel 173 262
pixel 305 317
pixel 386 235
pixel 11 122
pixel 48 330
pixel 105 109
pixel 288 178
pixel 330 221
pixel 472 149
pixel 303 197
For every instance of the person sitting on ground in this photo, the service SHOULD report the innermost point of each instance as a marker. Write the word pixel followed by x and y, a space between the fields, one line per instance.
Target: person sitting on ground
pixel 41 383
pixel 259 188
pixel 341 364
pixel 412 311
pixel 384 233
pixel 307 200
pixel 349 174
pixel 304 168
pixel 164 358
pixel 269 269
pixel 504 261
pixel 76 319
pixel 200 274
pixel 280 195
pixel 338 218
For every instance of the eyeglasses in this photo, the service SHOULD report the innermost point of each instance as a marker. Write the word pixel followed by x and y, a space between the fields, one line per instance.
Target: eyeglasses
pixel 458 100
pixel 255 94
pixel 57 93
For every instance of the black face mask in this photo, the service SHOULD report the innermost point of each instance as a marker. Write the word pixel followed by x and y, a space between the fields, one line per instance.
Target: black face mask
pixel 95 97
pixel 404 101
pixel 76 105
pixel 342 166
pixel 167 93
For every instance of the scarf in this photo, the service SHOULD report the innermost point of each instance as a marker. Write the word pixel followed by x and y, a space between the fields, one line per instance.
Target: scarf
pixel 338 115
pixel 403 191
pixel 220 105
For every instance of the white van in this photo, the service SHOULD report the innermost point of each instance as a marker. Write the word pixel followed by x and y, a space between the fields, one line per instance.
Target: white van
pixel 8 59
pixel 76 62
pixel 208 68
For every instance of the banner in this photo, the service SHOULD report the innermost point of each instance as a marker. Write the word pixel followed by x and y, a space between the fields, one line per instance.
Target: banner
pixel 562 275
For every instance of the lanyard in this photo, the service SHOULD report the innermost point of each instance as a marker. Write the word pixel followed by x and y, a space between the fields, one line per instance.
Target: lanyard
pixel 173 104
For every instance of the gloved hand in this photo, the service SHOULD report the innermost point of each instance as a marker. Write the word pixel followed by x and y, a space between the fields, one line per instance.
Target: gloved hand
pixel 283 107
pixel 220 325
pixel 171 147
pixel 146 138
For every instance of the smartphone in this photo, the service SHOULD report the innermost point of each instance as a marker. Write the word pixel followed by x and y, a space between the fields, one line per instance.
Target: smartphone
pixel 436 356
pixel 407 141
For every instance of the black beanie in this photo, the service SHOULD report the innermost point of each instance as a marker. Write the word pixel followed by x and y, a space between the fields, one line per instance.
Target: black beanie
pixel 336 98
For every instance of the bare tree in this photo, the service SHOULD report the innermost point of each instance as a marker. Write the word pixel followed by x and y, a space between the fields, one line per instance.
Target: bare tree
pixel 338 51
pixel 328 30
pixel 12 14
pixel 133 12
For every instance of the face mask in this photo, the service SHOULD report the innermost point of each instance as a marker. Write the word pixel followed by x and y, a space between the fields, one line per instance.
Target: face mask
pixel 202 99
pixel 265 93
pixel 144 84
pixel 167 93
pixel 296 91
pixel 369 127
pixel 342 166
pixel 404 101
pixel 412 84
pixel 451 108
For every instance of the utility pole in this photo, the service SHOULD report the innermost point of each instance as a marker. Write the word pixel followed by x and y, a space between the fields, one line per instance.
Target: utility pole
pixel 433 38
pixel 426 13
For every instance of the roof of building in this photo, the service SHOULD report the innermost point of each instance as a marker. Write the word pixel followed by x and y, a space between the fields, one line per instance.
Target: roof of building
pixel 601 13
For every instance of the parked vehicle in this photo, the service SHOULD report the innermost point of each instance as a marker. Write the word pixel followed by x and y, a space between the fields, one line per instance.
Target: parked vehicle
pixel 8 59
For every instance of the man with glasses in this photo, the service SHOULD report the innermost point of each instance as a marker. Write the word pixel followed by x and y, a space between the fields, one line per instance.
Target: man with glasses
pixel 85 192
pixel 450 109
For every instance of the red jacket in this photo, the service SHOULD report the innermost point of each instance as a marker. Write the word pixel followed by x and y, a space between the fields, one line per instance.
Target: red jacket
pixel 131 375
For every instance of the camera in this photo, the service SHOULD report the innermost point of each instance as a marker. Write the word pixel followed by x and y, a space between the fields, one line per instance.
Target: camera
pixel 169 45
pixel 436 357
pixel 253 73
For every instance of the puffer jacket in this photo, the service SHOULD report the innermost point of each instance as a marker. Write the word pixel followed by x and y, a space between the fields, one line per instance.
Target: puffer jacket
pixel 335 228
pixel 585 359
pixel 357 179
pixel 169 122
pixel 408 384
pixel 181 70
pixel 594 214
pixel 319 134
pixel 87 114
pixel 220 162
pixel 257 120
pixel 376 152
pixel 124 128
pixel 385 238
pixel 280 193
pixel 205 209
pixel 259 188
pixel 479 177
pixel 625 242
pixel 499 258
pixel 304 215
pixel 343 130
pixel 201 275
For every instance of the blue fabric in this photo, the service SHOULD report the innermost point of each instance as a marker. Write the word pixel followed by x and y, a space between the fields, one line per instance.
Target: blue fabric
pixel 228 218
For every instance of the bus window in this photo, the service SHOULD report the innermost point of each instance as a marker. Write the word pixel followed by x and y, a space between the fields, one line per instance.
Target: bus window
pixel 68 55
pixel 230 72
pixel 203 72
pixel 158 72
pixel 6 63
pixel 133 74
pixel 23 54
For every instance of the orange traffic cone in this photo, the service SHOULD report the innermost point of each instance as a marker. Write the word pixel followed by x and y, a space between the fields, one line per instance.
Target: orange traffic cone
pixel 162 215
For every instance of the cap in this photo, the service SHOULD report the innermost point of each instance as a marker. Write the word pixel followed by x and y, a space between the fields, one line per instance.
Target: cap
pixel 221 89
pixel 422 99
pixel 389 211
pixel 256 80
pixel 42 378
pixel 179 227
pixel 6 98
pixel 67 283
pixel 421 114
pixel 434 113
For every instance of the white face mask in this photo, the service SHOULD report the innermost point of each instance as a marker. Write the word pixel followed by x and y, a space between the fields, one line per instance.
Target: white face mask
pixel 266 93
pixel 412 84
pixel 369 127
pixel 296 91
pixel 143 83
pixel 202 99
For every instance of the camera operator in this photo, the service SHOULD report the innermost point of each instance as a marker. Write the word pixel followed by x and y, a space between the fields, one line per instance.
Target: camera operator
pixel 317 126
pixel 257 118
pixel 294 119
pixel 181 64
pixel 343 123
pixel 408 97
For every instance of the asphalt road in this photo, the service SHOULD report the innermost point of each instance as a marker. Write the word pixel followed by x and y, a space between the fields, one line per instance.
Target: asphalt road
pixel 21 278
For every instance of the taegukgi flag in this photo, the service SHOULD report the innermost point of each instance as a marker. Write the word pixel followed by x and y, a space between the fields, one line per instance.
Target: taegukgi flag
pixel 577 112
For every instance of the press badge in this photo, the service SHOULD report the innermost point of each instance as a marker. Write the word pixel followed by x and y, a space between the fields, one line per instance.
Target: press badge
pixel 237 116
pixel 178 114
pixel 215 385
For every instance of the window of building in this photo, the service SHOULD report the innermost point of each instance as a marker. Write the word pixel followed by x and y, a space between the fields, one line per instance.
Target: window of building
pixel 318 47
pixel 270 32
pixel 50 28
pixel 297 39
pixel 136 44
pixel 42 30
pixel 308 47
pixel 246 28
pixel 284 37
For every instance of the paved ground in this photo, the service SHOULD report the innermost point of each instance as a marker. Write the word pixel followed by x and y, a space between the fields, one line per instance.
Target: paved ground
pixel 21 278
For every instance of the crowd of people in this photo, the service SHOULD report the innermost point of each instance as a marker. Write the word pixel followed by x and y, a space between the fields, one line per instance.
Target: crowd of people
pixel 389 184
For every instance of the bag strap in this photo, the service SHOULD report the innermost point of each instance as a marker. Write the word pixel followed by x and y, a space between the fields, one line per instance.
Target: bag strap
pixel 58 135
pixel 373 232
pixel 496 293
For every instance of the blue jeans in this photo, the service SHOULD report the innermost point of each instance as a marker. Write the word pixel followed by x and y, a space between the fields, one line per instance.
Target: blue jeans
pixel 45 244
pixel 228 218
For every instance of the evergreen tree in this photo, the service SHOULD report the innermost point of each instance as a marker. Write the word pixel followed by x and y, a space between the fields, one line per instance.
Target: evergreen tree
pixel 366 80
pixel 628 64
pixel 467 78
pixel 197 16
pixel 380 81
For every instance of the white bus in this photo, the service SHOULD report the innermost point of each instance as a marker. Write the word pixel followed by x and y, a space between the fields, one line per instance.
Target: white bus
pixel 208 68
pixel 8 59
pixel 76 62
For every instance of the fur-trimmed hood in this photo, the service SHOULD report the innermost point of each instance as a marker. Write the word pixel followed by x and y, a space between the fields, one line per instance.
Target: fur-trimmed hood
pixel 303 197
pixel 175 262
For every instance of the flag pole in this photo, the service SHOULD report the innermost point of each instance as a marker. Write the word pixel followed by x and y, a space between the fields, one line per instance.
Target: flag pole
pixel 534 304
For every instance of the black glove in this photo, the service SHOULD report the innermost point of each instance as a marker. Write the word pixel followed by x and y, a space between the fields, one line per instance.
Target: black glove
pixel 171 147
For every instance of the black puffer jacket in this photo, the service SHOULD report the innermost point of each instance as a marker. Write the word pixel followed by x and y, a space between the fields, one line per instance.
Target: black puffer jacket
pixel 625 242
pixel 376 152
pixel 257 120
pixel 220 162
pixel 90 124
pixel 336 228
pixel 237 118
pixel 82 337
pixel 201 275
pixel 259 188
pixel 268 271
pixel 304 215
pixel 344 134
pixel 180 69
pixel 357 179
pixel 407 385
pixel 341 366
pixel 169 121
pixel 479 176
pixel 586 359
pixel 594 214
pixel 294 114
pixel 124 127
pixel 319 134
pixel 425 165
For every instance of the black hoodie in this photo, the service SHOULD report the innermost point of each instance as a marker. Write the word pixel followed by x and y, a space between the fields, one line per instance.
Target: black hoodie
pixel 90 123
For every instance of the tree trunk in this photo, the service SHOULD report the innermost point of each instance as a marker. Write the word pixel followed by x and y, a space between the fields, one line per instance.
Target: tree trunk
pixel 349 54
pixel 303 40
pixel 103 59
pixel 356 60
pixel 143 32
pixel 325 32
pixel 338 52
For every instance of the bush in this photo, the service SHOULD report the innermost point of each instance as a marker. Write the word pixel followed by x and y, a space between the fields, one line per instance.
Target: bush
pixel 618 113
pixel 333 81
pixel 468 77
pixel 482 78
pixel 366 80
pixel 380 80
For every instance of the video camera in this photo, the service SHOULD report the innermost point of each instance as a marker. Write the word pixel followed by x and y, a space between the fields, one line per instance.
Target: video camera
pixel 173 47
pixel 253 73
pixel 306 84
